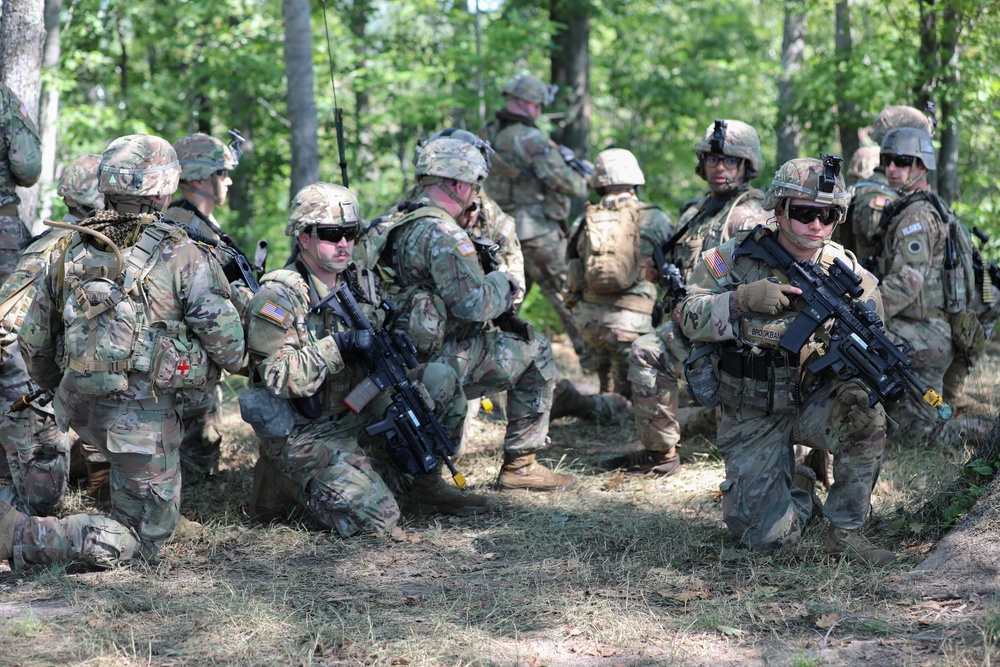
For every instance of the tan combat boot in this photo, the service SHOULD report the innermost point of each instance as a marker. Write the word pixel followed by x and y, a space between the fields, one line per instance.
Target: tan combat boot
pixel 805 479
pixel 8 521
pixel 954 386
pixel 98 480
pixel 521 472
pixel 567 401
pixel 430 494
pixel 648 462
pixel 856 548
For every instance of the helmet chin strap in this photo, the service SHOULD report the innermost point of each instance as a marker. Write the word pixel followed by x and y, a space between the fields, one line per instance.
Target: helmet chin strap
pixel 214 195
pixel 802 241
pixel 908 184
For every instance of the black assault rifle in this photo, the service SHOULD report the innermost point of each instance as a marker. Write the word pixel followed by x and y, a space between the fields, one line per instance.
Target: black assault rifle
pixel 983 269
pixel 40 396
pixel 489 258
pixel 238 266
pixel 416 439
pixel 859 348
pixel 670 275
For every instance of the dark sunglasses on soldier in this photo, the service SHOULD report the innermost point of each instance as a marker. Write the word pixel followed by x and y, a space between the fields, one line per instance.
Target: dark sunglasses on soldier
pixel 335 234
pixel 806 214
pixel 899 160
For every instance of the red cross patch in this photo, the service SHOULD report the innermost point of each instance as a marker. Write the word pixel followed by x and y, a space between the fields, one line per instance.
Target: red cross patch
pixel 183 367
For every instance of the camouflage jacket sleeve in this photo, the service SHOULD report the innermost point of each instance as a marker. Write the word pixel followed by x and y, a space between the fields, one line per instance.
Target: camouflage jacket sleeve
pixel 41 331
pixel 449 256
pixel 208 311
pixel 542 156
pixel 284 354
pixel 501 228
pixel 747 215
pixel 707 313
pixel 24 151
pixel 655 228
pixel 914 254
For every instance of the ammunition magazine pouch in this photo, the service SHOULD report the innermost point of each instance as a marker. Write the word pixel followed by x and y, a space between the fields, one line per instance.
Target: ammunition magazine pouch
pixel 702 376
pixel 764 380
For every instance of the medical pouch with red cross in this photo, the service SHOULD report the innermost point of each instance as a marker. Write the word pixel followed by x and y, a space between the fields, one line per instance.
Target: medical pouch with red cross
pixel 181 364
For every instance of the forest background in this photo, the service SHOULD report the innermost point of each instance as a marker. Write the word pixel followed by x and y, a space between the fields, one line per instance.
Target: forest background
pixel 810 75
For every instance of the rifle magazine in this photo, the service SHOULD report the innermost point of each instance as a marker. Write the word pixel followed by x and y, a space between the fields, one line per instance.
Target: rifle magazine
pixel 361 395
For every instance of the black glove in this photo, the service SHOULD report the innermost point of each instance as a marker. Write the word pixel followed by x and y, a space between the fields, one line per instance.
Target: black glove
pixel 354 345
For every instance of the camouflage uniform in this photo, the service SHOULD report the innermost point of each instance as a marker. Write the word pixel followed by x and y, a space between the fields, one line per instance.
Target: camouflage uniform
pixel 20 164
pixel 758 387
pixel 36 449
pixel 137 429
pixel 610 322
pixel 533 183
pixel 327 464
pixel 656 359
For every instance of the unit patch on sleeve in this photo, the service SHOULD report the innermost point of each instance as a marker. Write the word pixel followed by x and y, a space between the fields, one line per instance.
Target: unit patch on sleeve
pixel 273 311
pixel 717 263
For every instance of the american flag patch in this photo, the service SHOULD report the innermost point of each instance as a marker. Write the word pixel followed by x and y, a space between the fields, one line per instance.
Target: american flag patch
pixel 465 248
pixel 23 110
pixel 880 202
pixel 273 311
pixel 717 263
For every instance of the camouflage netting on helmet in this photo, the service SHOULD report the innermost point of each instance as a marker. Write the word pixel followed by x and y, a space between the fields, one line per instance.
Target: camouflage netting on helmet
pixel 201 155
pixel 617 166
pixel 910 141
pixel 452 158
pixel 893 117
pixel 78 183
pixel 804 178
pixel 141 165
pixel 530 88
pixel 323 204
pixel 863 162
pixel 741 140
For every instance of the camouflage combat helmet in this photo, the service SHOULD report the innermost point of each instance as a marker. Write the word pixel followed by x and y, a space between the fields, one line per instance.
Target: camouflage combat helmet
pixel 808 178
pixel 78 184
pixel 461 135
pixel 323 204
pixel 201 155
pixel 863 163
pixel 731 137
pixel 530 88
pixel 910 141
pixel 617 166
pixel 900 116
pixel 139 164
pixel 452 158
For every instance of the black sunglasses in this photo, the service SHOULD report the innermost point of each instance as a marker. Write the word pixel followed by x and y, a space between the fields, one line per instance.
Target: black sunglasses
pixel 899 160
pixel 806 214
pixel 335 234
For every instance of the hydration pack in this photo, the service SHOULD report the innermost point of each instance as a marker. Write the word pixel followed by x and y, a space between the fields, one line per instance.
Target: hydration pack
pixel 611 254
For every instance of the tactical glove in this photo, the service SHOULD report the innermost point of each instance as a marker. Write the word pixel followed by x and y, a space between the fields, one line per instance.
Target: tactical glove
pixel 856 399
pixel 354 345
pixel 765 297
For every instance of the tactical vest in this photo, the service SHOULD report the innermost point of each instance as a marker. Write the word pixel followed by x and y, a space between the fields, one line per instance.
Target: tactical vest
pixel 108 329
pixel 706 230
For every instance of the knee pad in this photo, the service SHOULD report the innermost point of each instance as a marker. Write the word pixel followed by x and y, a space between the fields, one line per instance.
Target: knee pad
pixel 102 542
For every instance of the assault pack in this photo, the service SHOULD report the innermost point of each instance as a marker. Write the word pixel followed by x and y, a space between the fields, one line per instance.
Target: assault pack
pixel 611 253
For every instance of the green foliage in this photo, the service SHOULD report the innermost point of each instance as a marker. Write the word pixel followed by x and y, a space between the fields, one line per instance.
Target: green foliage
pixel 537 310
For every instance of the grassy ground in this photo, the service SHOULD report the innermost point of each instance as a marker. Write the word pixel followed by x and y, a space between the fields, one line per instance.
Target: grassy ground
pixel 620 571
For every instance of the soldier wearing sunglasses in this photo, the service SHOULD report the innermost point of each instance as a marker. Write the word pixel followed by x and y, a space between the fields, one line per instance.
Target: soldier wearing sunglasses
pixel 769 402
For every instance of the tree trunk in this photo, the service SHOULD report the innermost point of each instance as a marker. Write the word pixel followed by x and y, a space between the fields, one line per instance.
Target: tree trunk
pixel 364 137
pixel 947 171
pixel 570 71
pixel 22 32
pixel 48 113
pixel 929 56
pixel 793 44
pixel 846 108
pixel 301 96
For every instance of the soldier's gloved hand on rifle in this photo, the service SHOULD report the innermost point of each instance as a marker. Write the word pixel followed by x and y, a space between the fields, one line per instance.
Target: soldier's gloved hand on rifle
pixel 515 287
pixel 765 297
pixel 354 345
pixel 650 272
pixel 854 397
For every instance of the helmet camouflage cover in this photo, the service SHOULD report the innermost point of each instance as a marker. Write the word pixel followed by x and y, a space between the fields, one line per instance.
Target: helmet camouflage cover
pixel 530 88
pixel 738 139
pixel 201 155
pixel 139 164
pixel 863 162
pixel 809 178
pixel 452 158
pixel 78 183
pixel 461 135
pixel 912 142
pixel 900 116
pixel 617 166
pixel 323 204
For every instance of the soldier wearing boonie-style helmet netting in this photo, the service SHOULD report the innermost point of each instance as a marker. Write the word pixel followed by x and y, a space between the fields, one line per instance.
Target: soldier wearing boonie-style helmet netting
pixel 130 315
pixel 20 165
pixel 305 360
pixel 205 164
pixel 532 181
pixel 769 401
pixel 446 301
pixel 728 159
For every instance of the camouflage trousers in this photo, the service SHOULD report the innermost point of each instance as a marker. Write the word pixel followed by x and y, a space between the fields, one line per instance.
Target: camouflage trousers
pixel 526 370
pixel 609 333
pixel 140 439
pixel 12 235
pixel 343 478
pixel 545 264
pixel 932 354
pixel 201 447
pixel 760 504
pixel 37 453
pixel 654 370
